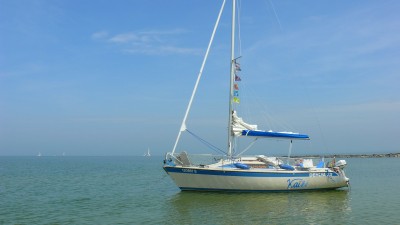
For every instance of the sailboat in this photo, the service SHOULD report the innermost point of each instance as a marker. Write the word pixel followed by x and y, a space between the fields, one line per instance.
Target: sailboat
pixel 258 173
pixel 147 153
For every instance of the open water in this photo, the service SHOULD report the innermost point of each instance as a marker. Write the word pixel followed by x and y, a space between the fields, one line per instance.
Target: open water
pixel 135 190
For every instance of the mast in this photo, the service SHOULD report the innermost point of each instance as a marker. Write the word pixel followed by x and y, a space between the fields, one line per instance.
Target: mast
pixel 232 78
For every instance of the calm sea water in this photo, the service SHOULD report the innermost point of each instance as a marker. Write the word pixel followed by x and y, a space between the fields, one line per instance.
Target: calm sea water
pixel 135 190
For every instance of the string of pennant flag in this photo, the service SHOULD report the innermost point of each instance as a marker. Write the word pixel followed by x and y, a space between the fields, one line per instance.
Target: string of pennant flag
pixel 236 98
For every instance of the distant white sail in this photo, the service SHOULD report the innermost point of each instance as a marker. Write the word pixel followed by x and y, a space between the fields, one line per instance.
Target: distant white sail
pixel 148 153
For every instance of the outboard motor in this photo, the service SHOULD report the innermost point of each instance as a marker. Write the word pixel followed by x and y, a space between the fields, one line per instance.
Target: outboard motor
pixel 341 164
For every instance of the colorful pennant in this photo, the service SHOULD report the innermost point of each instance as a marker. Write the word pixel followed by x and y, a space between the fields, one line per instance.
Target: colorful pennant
pixel 237 78
pixel 237 66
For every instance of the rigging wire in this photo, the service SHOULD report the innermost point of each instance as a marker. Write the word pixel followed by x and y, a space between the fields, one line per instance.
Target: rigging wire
pixel 183 125
pixel 248 147
pixel 271 122
pixel 276 15
pixel 239 7
pixel 206 143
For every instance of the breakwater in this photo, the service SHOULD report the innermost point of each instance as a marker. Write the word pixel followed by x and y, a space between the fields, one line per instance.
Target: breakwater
pixel 375 155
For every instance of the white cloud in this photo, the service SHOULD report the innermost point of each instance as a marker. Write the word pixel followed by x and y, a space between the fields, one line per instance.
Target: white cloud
pixel 151 42
pixel 161 50
pixel 125 38
pixel 100 35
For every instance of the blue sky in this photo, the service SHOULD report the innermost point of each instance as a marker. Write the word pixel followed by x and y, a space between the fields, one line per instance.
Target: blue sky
pixel 115 77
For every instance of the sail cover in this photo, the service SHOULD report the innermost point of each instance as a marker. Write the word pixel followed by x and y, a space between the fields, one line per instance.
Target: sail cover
pixel 272 134
pixel 241 128
pixel 238 125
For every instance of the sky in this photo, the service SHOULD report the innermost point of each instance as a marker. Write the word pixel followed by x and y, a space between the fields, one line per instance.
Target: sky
pixel 115 77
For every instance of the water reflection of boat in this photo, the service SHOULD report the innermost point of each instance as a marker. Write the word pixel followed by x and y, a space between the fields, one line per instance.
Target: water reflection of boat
pixel 314 207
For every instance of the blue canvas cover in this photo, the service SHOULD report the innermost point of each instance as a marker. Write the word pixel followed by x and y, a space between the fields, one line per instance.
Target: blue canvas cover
pixel 271 134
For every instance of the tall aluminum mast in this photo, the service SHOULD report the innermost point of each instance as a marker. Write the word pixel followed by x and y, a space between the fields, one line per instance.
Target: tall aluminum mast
pixel 232 79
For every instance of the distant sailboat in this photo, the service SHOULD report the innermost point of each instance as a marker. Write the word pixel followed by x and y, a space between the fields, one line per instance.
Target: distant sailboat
pixel 148 153
pixel 39 154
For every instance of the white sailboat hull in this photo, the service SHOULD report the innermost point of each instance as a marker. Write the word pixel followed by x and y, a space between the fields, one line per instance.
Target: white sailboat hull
pixel 205 179
pixel 237 173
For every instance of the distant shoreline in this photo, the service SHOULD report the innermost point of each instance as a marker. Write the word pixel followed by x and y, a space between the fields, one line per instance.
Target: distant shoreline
pixel 381 155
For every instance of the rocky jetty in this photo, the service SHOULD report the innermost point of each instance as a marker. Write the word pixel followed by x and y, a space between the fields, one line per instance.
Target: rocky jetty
pixel 387 155
pixel 380 155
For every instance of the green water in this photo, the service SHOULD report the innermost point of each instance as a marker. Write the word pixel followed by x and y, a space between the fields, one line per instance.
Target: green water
pixel 135 190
